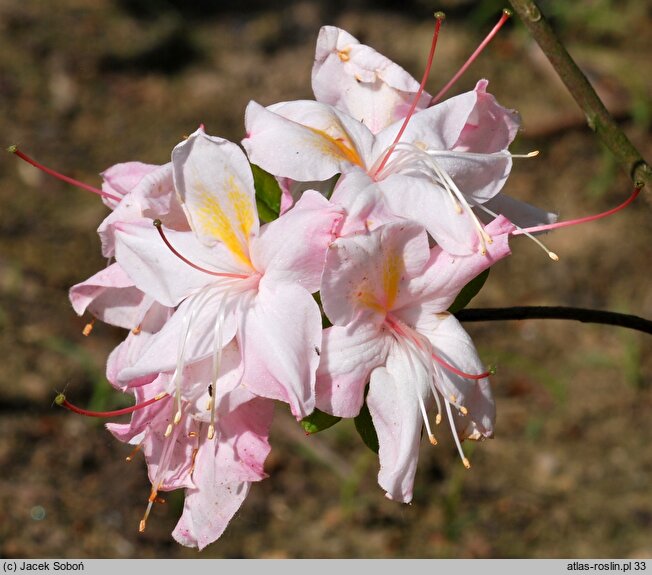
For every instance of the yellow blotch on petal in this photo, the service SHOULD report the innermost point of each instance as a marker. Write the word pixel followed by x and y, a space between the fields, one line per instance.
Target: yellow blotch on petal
pixel 338 146
pixel 392 271
pixel 215 222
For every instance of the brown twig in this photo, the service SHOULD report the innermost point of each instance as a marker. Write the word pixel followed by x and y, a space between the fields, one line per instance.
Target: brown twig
pixel 557 312
pixel 597 116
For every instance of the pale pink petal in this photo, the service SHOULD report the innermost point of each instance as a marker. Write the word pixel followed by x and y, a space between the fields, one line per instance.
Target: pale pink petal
pixel 348 355
pixel 438 127
pixel 364 273
pixel 161 351
pixel 445 275
pixel 416 197
pixel 110 295
pixel 363 201
pixel 215 184
pixel 129 351
pixel 393 401
pixel 452 344
pixel 224 470
pixel 153 197
pixel 160 273
pixel 293 247
pixel 304 140
pixel 359 81
pixel 490 127
pixel 280 337
pixel 120 179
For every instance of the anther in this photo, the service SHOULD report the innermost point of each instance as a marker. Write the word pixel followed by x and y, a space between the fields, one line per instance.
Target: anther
pixel 177 417
pixel 432 439
pixel 463 410
pixel 137 329
pixel 88 328
pixel 466 463
pixel 14 150
pixel 168 430
pixel 133 452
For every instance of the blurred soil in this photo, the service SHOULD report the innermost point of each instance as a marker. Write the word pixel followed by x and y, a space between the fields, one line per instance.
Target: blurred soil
pixel 97 82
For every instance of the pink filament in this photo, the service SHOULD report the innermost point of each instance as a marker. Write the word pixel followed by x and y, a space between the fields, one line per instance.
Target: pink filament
pixel 478 50
pixel 439 17
pixel 67 179
pixel 548 227
pixel 159 227
pixel 61 400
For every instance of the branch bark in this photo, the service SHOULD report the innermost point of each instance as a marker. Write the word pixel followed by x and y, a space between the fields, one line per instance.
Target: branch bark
pixel 597 116
pixel 558 312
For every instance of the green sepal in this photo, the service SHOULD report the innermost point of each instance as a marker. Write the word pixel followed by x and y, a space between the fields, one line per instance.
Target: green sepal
pixel 366 429
pixel 268 194
pixel 469 291
pixel 318 421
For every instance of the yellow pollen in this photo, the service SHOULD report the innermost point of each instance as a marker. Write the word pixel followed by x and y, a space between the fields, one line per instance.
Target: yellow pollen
pixel 452 398
pixel 88 328
pixel 438 419
pixel 463 410
pixel 344 55
pixel 432 439
pixel 137 330
pixel 211 431
pixel 168 430
pixel 192 434
pixel 466 463
pixel 177 417
pixel 141 526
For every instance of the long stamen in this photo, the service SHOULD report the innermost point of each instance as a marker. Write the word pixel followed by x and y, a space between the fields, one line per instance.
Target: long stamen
pixel 505 16
pixel 556 225
pixel 61 400
pixel 439 18
pixel 162 468
pixel 552 255
pixel 217 363
pixel 67 179
pixel 459 372
pixel 159 226
pixel 465 461
pixel 402 343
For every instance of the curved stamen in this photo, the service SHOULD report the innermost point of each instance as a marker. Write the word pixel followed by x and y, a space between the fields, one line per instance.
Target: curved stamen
pixel 61 400
pixel 159 226
pixel 67 179
pixel 439 18
pixel 447 366
pixel 556 225
pixel 505 16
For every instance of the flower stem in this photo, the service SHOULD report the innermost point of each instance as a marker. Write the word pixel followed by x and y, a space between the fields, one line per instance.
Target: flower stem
pixel 557 312
pixel 597 116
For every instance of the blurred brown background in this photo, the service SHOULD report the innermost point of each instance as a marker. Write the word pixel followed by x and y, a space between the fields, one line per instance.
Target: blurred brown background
pixel 85 84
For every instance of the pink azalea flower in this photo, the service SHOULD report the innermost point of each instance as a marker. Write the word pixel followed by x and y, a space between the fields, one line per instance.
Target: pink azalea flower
pixel 450 158
pixel 386 294
pixel 214 447
pixel 361 82
pixel 247 282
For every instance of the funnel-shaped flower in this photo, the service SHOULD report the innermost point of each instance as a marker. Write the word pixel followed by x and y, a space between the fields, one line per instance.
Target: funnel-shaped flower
pixel 450 157
pixel 386 294
pixel 255 282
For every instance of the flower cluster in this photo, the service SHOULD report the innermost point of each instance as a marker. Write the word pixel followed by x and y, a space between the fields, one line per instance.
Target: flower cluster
pixel 367 210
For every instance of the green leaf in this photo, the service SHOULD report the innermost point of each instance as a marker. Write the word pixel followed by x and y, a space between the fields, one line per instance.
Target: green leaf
pixel 318 421
pixel 366 429
pixel 268 194
pixel 469 291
